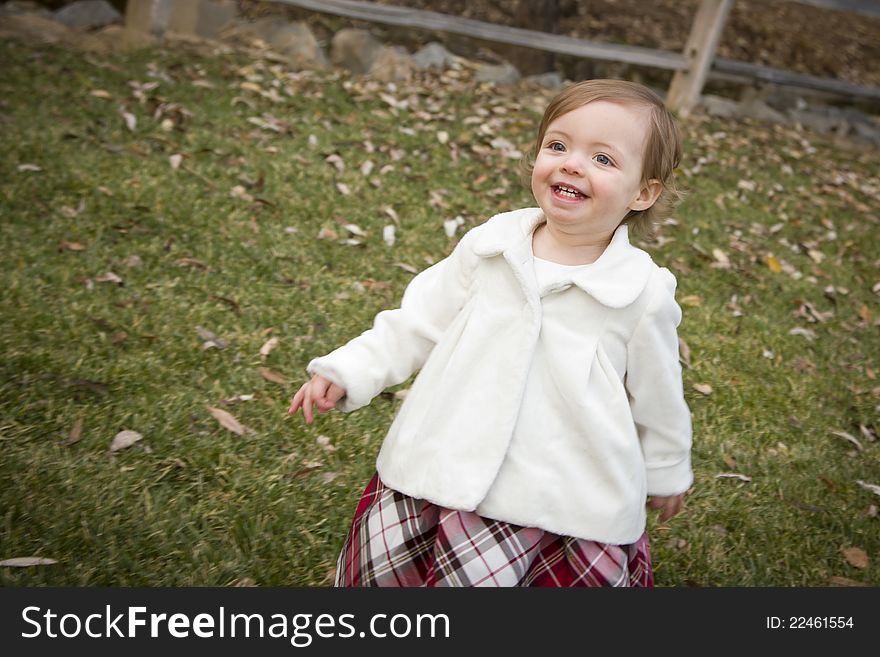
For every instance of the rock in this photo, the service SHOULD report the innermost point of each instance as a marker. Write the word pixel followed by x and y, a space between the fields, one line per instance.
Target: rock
pixel 19 7
pixel 392 64
pixel 293 40
pixel 867 132
pixel 719 106
pixel 551 80
pixel 121 39
pixel 355 50
pixel 87 14
pixel 433 56
pixel 296 41
pixel 825 122
pixel 757 109
pixel 34 28
pixel 497 74
pixel 202 18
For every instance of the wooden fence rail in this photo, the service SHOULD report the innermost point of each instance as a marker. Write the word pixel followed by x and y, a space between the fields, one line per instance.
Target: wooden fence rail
pixel 691 68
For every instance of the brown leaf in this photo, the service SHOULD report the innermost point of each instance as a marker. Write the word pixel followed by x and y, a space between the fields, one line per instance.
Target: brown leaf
pixel 684 352
pixel 191 262
pixel 703 388
pixel 227 420
pixel 774 264
pixel 836 580
pixel 850 438
pixel 25 562
pixel 124 439
pixel 108 277
pixel 267 347
pixel 856 557
pixel 74 435
pixel 119 337
pixel 64 245
pixel 274 377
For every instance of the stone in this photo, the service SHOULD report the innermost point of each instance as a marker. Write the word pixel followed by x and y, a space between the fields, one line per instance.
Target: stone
pixel 88 14
pixel 719 106
pixel 392 64
pixel 824 122
pixel 551 80
pixel 34 28
pixel 757 109
pixel 19 7
pixel 354 49
pixel 121 39
pixel 433 56
pixel 497 74
pixel 298 44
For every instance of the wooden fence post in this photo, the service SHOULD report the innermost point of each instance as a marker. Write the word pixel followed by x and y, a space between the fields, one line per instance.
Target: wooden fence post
pixel 148 16
pixel 684 91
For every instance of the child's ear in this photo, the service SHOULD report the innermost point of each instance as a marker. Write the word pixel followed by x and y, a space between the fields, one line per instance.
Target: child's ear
pixel 649 193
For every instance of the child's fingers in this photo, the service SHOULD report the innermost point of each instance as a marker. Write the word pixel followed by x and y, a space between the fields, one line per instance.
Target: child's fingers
pixel 297 400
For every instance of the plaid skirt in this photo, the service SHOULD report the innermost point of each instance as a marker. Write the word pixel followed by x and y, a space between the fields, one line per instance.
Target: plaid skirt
pixel 397 540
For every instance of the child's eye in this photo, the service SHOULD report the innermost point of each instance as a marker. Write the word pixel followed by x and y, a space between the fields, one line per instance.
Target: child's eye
pixel 556 146
pixel 603 159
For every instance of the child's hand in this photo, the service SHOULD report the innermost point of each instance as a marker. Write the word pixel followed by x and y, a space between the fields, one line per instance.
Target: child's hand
pixel 669 506
pixel 318 391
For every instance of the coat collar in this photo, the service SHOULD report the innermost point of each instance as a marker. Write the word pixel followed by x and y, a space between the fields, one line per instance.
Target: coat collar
pixel 615 280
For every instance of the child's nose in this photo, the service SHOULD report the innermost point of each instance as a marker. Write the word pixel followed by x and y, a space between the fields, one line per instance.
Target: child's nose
pixel 573 165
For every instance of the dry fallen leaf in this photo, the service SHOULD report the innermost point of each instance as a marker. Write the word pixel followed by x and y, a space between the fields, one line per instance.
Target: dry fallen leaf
pixel 210 339
pixel 274 377
pixel 703 388
pixel 325 444
pixel 124 439
pixel 227 420
pixel 774 264
pixel 733 475
pixel 684 352
pixel 267 347
pixel 874 488
pixel 108 277
pixel 129 118
pixel 856 557
pixel 850 438
pixel 388 235
pixel 25 562
pixel 74 435
pixel 64 245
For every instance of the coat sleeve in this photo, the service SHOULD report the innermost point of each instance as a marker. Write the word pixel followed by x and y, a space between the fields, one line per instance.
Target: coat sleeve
pixel 400 340
pixel 654 384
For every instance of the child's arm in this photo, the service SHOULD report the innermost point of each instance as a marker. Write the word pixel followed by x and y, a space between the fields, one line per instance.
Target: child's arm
pixel 657 401
pixel 399 341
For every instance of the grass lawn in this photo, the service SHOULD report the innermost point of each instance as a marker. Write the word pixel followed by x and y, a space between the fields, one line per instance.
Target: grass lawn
pixel 182 233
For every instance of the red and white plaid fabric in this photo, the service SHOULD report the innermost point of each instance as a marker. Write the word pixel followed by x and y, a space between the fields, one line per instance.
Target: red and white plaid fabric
pixel 397 540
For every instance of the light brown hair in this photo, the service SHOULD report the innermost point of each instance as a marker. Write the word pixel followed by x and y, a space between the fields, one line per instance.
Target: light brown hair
pixel 663 149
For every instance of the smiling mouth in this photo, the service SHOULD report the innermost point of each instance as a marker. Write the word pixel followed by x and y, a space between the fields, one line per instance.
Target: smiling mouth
pixel 568 192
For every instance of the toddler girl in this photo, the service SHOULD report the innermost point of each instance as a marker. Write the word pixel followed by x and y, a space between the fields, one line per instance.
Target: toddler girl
pixel 549 404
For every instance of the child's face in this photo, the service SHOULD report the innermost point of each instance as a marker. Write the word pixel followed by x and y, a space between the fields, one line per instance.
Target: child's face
pixel 588 171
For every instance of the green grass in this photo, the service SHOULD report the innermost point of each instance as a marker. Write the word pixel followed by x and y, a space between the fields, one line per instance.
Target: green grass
pixel 193 503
